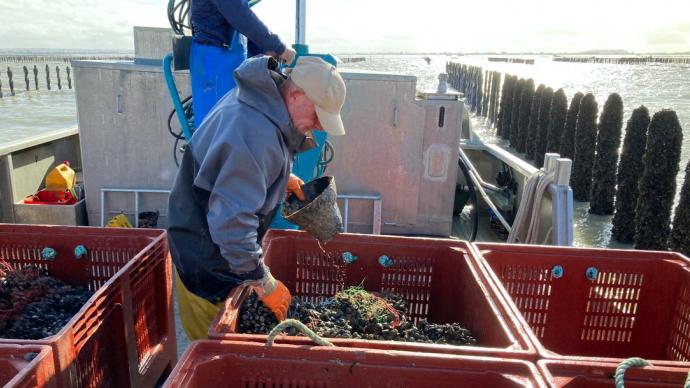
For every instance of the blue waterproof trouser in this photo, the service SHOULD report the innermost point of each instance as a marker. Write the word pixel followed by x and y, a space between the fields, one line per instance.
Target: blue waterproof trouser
pixel 211 70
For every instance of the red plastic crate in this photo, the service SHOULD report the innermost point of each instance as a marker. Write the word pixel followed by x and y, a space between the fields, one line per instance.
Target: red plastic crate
pixel 124 335
pixel 247 364
pixel 439 278
pixel 578 374
pixel 18 371
pixel 637 305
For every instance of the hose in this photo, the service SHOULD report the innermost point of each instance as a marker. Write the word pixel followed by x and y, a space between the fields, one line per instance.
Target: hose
pixel 473 196
pixel 299 326
pixel 189 115
pixel 178 16
pixel 479 183
pixel 325 158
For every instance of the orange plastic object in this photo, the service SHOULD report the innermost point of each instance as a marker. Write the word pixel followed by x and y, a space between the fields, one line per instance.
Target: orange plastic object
pixel 44 197
pixel 439 278
pixel 61 178
pixel 124 335
pixel 26 366
pixel 578 374
pixel 636 305
pixel 246 364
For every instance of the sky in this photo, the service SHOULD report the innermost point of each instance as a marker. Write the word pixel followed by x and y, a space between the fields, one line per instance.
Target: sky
pixel 368 26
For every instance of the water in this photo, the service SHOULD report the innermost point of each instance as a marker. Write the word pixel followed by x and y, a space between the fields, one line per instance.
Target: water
pixel 657 86
pixel 33 112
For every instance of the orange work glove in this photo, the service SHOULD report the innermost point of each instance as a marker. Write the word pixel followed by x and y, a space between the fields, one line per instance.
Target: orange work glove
pixel 274 295
pixel 294 186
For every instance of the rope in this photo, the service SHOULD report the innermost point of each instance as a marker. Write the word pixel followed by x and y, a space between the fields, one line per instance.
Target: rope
pixel 528 218
pixel 535 221
pixel 518 232
pixel 299 326
pixel 624 366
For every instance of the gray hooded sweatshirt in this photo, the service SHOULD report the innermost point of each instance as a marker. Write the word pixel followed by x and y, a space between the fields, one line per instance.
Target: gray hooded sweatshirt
pixel 232 176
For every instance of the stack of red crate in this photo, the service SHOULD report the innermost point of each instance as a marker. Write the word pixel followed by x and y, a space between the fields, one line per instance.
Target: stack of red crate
pixel 124 335
pixel 588 310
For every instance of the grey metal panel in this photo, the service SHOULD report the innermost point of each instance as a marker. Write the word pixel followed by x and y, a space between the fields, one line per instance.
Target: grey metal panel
pixel 152 42
pixel 51 214
pixel 123 111
pixel 375 157
pixel 440 165
pixel 33 141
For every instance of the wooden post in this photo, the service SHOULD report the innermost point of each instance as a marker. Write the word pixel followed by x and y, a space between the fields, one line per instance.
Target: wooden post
pixel 35 78
pixel 57 74
pixel 0 88
pixel 26 77
pixel 69 79
pixel 48 77
pixel 9 75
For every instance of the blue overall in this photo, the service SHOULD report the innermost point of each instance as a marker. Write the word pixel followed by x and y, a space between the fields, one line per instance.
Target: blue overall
pixel 211 70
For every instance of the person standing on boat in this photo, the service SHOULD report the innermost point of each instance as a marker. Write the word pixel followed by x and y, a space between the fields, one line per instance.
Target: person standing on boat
pixel 235 172
pixel 220 29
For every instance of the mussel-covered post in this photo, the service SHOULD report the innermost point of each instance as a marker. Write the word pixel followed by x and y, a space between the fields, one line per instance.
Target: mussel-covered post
pixel 486 94
pixel 630 170
pixel 658 182
pixel 515 115
pixel 69 78
pixel 506 107
pixel 57 74
pixel 585 138
pixel 567 148
pixel 35 77
pixel 680 235
pixel 26 77
pixel 479 84
pixel 11 82
pixel 523 121
pixel 500 122
pixel 495 85
pixel 606 158
pixel 543 126
pixel 559 109
pixel 532 127
pixel 47 77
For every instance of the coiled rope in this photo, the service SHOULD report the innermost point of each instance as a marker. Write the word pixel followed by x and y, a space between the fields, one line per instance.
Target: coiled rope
pixel 299 326
pixel 624 366
pixel 636 362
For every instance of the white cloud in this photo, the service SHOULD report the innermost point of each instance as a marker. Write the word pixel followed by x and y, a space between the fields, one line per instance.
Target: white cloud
pixel 382 25
pixel 76 24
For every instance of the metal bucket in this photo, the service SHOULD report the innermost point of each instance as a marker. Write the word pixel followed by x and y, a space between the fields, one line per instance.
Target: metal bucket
pixel 318 214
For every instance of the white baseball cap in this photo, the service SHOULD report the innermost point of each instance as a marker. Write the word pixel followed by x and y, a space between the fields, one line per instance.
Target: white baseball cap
pixel 325 88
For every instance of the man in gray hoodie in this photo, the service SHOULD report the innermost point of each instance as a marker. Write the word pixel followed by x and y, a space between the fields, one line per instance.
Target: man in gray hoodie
pixel 235 172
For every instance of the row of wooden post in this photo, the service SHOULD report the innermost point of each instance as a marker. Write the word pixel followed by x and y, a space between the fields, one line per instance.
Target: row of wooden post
pixel 511 60
pixel 61 58
pixel 623 60
pixel 539 121
pixel 10 78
